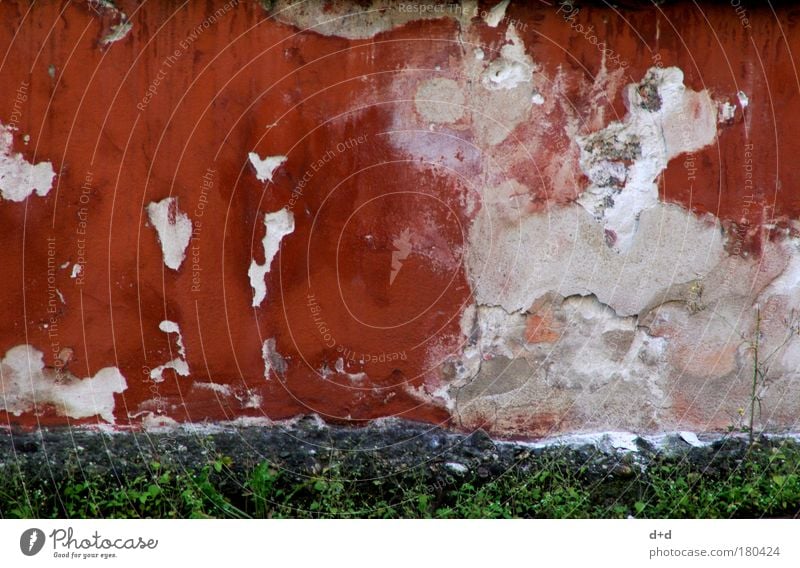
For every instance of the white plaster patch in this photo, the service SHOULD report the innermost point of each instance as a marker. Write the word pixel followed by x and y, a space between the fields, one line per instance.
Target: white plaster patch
pixel 512 68
pixel 624 160
pixel 174 229
pixel 152 422
pixel 224 390
pixel 251 400
pixel 18 177
pixel 353 21
pixel 278 224
pixel 76 270
pixel 27 385
pixel 179 363
pixel 727 112
pixel 743 100
pixel 494 16
pixel 340 369
pixel 117 32
pixel 266 167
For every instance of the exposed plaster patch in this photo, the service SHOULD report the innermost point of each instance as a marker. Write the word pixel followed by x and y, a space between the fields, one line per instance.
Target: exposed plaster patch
pixel 340 369
pixel 501 372
pixel 174 229
pixel 512 264
pixel 179 363
pixel 744 101
pixel 250 400
pixel 18 177
pixel 727 112
pixel 502 89
pixel 494 16
pixel 266 167
pixel 117 31
pixel 512 68
pixel 278 224
pixel 440 100
pixel 27 385
pixel 353 20
pixel 624 160
pixel 76 270
pixel 152 422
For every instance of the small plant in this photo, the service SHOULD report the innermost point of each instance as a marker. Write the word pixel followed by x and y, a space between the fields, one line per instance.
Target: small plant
pixel 760 371
pixel 763 481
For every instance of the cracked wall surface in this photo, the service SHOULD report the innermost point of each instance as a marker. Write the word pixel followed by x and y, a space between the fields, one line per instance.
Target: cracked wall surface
pixel 527 218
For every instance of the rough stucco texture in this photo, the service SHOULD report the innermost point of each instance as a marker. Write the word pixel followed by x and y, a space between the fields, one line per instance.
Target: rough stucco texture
pixel 536 219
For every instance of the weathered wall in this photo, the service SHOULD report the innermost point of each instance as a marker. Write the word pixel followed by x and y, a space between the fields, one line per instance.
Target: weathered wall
pixel 533 219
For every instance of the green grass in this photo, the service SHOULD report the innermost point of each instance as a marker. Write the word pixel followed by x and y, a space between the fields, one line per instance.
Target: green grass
pixel 764 482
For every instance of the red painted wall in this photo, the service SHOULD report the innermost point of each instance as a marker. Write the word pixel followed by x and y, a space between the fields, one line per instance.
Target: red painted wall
pixel 343 113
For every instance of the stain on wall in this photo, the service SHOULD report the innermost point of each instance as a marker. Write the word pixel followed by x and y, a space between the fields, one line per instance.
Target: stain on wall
pixel 533 218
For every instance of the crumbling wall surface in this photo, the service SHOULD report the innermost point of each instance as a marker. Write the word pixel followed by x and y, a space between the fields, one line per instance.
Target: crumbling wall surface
pixel 532 218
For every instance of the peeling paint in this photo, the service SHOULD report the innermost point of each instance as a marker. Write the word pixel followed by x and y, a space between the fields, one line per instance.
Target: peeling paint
pixel 29 386
pixel 117 33
pixel 339 366
pixel 494 16
pixel 727 112
pixel 278 224
pixel 513 66
pixel 174 229
pixel 266 167
pixel 18 177
pixel 178 364
pixel 744 101
pixel 624 160
pixel 356 21
pixel 596 223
